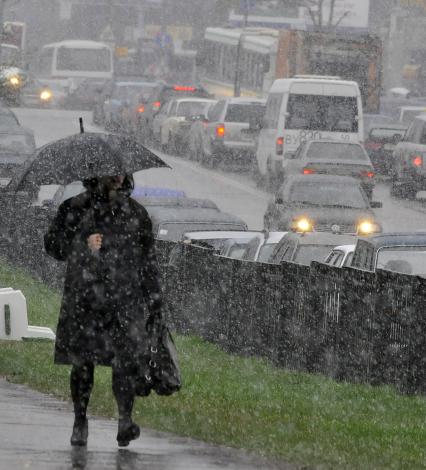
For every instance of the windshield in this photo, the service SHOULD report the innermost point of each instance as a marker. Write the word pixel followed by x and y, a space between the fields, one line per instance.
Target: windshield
pixel 188 108
pixel 322 113
pixel 406 260
pixel 331 151
pixel 245 113
pixel 305 254
pixel 175 231
pixel 409 115
pixel 266 252
pixel 84 60
pixel 328 194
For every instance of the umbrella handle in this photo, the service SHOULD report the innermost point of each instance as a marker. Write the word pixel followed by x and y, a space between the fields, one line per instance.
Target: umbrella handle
pixel 81 125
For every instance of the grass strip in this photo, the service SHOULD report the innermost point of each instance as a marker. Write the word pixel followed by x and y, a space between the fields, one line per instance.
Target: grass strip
pixel 241 402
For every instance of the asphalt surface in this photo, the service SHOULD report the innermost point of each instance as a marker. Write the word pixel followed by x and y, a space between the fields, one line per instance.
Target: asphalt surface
pixel 35 431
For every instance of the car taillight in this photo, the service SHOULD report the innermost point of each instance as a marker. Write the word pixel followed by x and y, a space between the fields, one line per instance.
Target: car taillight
pixel 141 109
pixel 184 88
pixel 220 130
pixel 417 160
pixel 156 105
pixel 279 146
pixel 308 171
pixel 373 145
pixel 367 173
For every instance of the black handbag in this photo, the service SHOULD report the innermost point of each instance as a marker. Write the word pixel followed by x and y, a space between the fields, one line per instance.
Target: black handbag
pixel 159 368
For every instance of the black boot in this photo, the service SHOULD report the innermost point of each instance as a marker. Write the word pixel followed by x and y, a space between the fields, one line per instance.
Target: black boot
pixel 127 431
pixel 80 432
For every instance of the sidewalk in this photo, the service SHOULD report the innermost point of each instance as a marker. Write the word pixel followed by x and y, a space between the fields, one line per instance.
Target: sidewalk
pixel 35 431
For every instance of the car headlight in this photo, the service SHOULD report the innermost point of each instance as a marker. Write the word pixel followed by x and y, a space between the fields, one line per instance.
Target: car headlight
pixel 367 227
pixel 302 224
pixel 45 95
pixel 14 80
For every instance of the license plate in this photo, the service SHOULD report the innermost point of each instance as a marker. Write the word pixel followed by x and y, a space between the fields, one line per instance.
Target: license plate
pixel 389 147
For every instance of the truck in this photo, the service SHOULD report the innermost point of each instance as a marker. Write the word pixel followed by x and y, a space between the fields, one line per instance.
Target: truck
pixel 350 56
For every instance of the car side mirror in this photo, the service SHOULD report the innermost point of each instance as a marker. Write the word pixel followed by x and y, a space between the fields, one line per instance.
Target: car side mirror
pixel 377 204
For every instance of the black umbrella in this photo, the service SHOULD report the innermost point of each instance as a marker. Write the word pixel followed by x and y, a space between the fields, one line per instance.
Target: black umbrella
pixel 87 155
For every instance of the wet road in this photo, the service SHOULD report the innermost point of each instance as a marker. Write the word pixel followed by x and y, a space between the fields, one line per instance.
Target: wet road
pixel 233 191
pixel 35 431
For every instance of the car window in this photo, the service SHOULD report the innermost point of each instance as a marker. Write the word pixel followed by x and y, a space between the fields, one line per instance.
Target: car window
pixel 266 252
pixel 363 257
pixel 187 108
pixel 280 252
pixel 385 133
pixel 348 260
pixel 251 249
pixel 405 259
pixel 215 111
pixel 322 113
pixel 305 254
pixel 272 112
pixel 328 194
pixel 245 113
pixel 330 151
pixel 334 258
pixel 172 109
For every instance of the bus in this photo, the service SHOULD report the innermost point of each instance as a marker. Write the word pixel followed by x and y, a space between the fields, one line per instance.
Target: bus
pixel 266 54
pixel 72 61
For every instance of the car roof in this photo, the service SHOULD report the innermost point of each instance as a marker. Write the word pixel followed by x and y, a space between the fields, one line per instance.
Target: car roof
pixel 274 237
pixel 176 202
pixel 219 234
pixel 397 125
pixel 345 248
pixel 196 100
pixel 245 100
pixel 132 83
pixel 397 239
pixel 421 116
pixel 320 238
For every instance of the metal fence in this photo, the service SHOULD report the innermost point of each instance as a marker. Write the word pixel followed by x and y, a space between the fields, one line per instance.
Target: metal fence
pixel 348 324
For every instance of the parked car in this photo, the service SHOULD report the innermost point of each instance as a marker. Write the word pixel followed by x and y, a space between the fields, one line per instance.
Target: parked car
pixel 162 94
pixel 172 217
pixel 37 94
pixel 333 158
pixel 303 248
pixel 409 169
pixel 261 246
pixel 323 203
pixel 229 132
pixel 174 129
pixel 340 256
pixel 399 252
pixel 17 144
pixel 380 145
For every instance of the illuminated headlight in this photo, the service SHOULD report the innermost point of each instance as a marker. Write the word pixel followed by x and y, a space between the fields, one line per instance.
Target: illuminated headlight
pixel 14 80
pixel 302 225
pixel 45 95
pixel 367 227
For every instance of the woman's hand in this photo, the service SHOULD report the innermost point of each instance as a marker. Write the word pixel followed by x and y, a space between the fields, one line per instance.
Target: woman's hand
pixel 95 242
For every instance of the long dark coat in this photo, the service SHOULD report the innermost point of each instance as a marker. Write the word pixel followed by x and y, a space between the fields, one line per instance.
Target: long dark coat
pixel 107 296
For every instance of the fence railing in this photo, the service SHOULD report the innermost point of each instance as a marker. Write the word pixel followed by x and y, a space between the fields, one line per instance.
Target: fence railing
pixel 347 324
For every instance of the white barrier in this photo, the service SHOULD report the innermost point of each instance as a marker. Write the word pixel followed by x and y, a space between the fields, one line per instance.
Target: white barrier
pixel 14 318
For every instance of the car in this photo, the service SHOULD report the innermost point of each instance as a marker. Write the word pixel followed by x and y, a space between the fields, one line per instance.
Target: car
pixel 334 158
pixel 340 256
pixel 376 120
pixel 402 252
pixel 409 161
pixel 138 104
pixel 303 248
pixel 122 95
pixel 17 144
pixel 8 118
pixel 408 113
pixel 162 94
pixel 380 145
pixel 323 203
pixel 175 128
pixel 229 132
pixel 175 216
pixel 85 95
pixel 261 246
pixel 37 94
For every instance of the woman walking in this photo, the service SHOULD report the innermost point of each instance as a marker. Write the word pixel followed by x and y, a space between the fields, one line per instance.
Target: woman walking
pixel 111 293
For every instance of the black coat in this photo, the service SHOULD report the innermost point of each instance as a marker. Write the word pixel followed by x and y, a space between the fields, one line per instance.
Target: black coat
pixel 107 296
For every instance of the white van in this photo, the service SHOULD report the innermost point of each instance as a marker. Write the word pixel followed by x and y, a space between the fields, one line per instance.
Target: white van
pixel 308 108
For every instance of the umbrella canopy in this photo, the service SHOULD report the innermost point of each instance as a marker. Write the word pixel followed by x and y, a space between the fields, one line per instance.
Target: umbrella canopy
pixel 87 155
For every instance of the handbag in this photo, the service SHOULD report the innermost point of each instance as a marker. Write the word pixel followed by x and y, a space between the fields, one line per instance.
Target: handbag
pixel 158 367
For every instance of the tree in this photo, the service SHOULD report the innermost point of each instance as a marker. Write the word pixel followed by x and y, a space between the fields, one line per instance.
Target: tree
pixel 315 9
